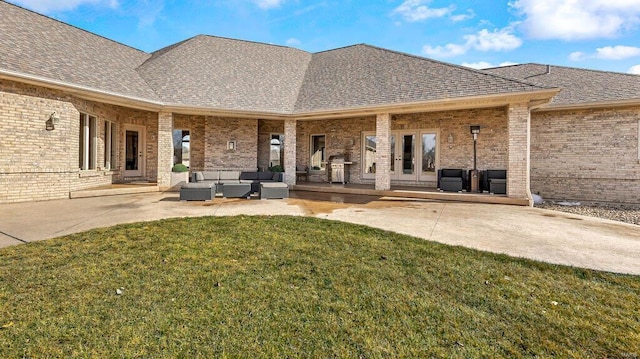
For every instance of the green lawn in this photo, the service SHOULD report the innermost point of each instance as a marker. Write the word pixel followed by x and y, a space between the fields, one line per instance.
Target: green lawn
pixel 300 287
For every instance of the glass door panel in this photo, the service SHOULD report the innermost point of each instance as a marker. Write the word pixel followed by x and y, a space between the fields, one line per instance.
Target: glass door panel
pixel 134 151
pixel 408 154
pixel 428 153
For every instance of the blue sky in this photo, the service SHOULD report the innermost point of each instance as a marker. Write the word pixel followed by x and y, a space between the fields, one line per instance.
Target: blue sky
pixel 597 34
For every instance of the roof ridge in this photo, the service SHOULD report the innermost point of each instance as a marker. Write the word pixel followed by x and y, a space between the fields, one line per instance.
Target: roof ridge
pixel 567 67
pixel 250 42
pixel 73 26
pixel 458 67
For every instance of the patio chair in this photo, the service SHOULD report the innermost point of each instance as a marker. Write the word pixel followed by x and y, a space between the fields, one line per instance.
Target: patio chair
pixel 302 171
pixel 495 181
pixel 451 179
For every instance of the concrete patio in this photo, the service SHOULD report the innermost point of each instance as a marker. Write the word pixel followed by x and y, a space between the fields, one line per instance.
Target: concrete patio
pixel 527 232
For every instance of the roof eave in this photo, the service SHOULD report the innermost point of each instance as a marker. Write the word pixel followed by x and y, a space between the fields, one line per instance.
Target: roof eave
pixel 533 98
pixel 84 92
pixel 588 105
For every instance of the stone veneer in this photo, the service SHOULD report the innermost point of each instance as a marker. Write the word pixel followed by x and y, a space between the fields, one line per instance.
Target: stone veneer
pixel 586 155
pixel 36 164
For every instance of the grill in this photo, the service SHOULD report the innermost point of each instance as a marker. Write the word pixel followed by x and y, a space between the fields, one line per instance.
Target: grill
pixel 337 170
pixel 336 166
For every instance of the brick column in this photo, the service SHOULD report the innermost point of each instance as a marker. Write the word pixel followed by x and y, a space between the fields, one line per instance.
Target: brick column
pixel 290 141
pixel 383 152
pixel 165 149
pixel 518 171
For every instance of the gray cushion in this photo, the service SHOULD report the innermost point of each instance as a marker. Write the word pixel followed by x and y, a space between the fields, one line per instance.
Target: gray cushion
pixel 210 175
pixel 248 176
pixel 265 175
pixel 229 175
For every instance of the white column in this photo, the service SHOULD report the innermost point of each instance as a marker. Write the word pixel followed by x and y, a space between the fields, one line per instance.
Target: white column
pixel 518 171
pixel 165 149
pixel 383 152
pixel 290 142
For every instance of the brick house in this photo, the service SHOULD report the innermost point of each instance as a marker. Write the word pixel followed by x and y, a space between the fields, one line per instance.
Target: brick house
pixel 79 111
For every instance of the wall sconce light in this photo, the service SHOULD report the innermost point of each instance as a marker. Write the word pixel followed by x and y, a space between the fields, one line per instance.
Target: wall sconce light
pixel 450 138
pixel 475 130
pixel 54 119
pixel 231 145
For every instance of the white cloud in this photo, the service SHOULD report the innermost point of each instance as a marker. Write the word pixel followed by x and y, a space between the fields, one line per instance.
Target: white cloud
pixel 485 65
pixel 484 40
pixel 577 56
pixel 448 50
pixel 293 42
pixel 268 4
pixel 635 70
pixel 617 52
pixel 575 20
pixel 462 17
pixel 498 40
pixel 418 10
pixel 48 6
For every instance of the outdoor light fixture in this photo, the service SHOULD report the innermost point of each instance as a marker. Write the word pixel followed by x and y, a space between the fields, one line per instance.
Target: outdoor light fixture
pixel 475 130
pixel 50 124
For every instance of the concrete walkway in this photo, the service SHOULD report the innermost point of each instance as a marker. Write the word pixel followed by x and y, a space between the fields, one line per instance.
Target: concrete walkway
pixel 533 233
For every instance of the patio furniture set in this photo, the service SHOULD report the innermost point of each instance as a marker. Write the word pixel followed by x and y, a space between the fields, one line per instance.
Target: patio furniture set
pixel 205 185
pixel 493 181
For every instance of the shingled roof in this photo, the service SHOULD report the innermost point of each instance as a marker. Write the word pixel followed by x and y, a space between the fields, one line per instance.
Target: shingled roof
pixel 35 45
pixel 578 86
pixel 207 71
pixel 364 75
pixel 221 74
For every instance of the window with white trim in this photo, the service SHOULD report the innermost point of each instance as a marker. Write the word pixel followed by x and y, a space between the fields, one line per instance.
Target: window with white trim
pixel 110 147
pixel 88 142
pixel 317 152
pixel 276 151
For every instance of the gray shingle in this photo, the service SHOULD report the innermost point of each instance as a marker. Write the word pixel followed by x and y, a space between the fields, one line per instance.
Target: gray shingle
pixel 36 45
pixel 215 72
pixel 363 75
pixel 578 86
pixel 225 74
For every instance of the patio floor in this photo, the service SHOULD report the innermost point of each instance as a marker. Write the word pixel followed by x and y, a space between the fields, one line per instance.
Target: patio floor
pixel 352 189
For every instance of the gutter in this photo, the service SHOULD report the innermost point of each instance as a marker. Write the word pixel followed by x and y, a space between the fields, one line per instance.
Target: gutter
pixel 84 91
pixel 589 105
pixel 534 98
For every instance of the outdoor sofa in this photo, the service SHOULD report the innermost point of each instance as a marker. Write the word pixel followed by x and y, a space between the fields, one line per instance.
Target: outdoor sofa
pixel 222 177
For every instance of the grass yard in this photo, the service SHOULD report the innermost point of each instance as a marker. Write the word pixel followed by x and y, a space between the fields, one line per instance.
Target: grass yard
pixel 270 287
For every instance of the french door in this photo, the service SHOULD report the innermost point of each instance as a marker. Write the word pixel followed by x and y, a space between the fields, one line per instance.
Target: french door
pixel 134 150
pixel 414 155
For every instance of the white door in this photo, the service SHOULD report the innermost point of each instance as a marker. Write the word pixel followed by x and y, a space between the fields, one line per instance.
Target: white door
pixel 134 151
pixel 403 155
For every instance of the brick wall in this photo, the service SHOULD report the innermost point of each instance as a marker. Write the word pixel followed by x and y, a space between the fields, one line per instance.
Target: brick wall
pixel 265 129
pixel 586 155
pixel 220 130
pixel 36 164
pixel 345 136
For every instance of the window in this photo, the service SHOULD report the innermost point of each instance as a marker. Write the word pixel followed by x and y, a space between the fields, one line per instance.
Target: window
pixel 110 147
pixel 369 158
pixel 88 142
pixel 181 147
pixel 317 152
pixel 276 153
pixel 429 153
